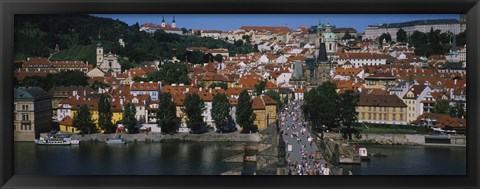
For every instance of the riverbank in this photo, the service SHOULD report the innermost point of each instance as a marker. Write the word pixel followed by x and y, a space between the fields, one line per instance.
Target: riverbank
pixel 178 137
pixel 392 139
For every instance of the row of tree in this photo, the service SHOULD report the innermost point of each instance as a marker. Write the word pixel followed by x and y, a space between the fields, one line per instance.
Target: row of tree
pixel 433 42
pixel 167 118
pixel 169 72
pixel 325 109
pixel 65 78
pixel 444 107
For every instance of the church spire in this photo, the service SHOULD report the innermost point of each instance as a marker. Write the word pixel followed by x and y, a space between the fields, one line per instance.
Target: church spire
pixel 173 23
pixel 99 44
pixel 163 21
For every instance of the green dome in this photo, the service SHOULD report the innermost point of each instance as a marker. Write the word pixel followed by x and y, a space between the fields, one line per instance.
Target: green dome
pixel 330 36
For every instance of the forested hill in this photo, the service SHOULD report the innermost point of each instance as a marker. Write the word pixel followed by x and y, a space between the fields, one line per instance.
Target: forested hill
pixel 77 36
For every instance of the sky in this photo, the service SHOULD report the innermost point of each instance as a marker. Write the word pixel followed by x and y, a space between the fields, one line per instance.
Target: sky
pixel 234 21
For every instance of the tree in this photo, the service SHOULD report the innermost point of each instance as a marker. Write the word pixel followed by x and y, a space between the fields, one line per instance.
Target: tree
pixel 347 36
pixel 401 35
pixel 166 114
pixel 218 58
pixel 169 73
pixel 457 110
pixel 194 107
pixel 136 26
pixel 220 111
pixel 385 36
pixel 105 115
pixel 129 120
pixel 259 87
pixel 238 42
pixel 184 30
pixel 347 111
pixel 321 107
pixel 221 85
pixel 246 38
pixel 244 113
pixel 83 120
pixel 442 107
pixel 275 96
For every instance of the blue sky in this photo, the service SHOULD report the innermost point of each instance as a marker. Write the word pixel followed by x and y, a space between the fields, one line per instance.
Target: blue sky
pixel 234 21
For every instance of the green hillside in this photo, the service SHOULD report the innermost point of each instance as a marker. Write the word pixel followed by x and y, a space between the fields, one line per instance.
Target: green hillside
pixel 77 36
pixel 81 53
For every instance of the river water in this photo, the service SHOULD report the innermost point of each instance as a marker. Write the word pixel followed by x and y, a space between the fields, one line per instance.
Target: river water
pixel 412 160
pixel 205 158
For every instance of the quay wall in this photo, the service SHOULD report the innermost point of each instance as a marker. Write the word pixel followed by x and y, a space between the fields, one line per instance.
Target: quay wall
pixel 157 137
pixel 412 139
pixel 402 139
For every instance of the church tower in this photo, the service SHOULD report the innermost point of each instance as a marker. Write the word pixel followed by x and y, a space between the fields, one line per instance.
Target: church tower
pixel 99 50
pixel 322 64
pixel 173 23
pixel 163 21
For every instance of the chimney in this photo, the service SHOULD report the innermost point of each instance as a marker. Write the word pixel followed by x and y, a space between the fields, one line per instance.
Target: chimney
pixel 200 89
pixel 455 81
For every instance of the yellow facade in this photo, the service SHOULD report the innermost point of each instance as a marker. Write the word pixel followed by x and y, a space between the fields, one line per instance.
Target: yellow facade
pixel 115 117
pixel 271 111
pixel 70 129
pixel 260 120
pixel 382 115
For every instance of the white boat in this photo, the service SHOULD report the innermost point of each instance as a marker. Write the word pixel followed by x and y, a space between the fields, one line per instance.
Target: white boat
pixel 116 141
pixel 54 141
pixel 75 142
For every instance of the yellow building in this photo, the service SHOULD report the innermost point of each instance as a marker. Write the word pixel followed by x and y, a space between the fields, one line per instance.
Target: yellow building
pixel 270 108
pixel 259 110
pixel 265 109
pixel 66 125
pixel 382 109
pixel 379 81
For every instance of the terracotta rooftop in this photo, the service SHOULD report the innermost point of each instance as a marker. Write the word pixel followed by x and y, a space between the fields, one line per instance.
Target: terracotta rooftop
pixel 380 100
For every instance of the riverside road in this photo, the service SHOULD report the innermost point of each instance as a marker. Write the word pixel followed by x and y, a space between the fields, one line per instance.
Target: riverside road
pixel 301 146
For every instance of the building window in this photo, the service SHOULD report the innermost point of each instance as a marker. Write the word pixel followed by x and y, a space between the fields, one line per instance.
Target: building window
pixel 369 115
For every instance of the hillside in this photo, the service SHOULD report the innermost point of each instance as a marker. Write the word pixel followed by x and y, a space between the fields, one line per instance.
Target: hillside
pixel 77 36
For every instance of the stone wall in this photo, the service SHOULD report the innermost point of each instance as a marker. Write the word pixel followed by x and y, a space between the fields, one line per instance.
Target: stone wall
pixel 386 138
pixel 157 137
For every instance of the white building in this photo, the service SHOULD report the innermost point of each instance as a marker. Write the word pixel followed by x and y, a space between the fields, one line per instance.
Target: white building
pixel 151 28
pixel 413 98
pixel 362 59
pixel 108 63
pixel 445 25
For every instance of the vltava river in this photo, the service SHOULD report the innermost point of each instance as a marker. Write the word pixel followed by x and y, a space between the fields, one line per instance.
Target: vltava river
pixel 413 160
pixel 189 158
pixel 205 158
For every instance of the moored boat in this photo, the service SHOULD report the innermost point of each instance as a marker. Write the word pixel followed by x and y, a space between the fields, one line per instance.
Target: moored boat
pixel 53 141
pixel 116 141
